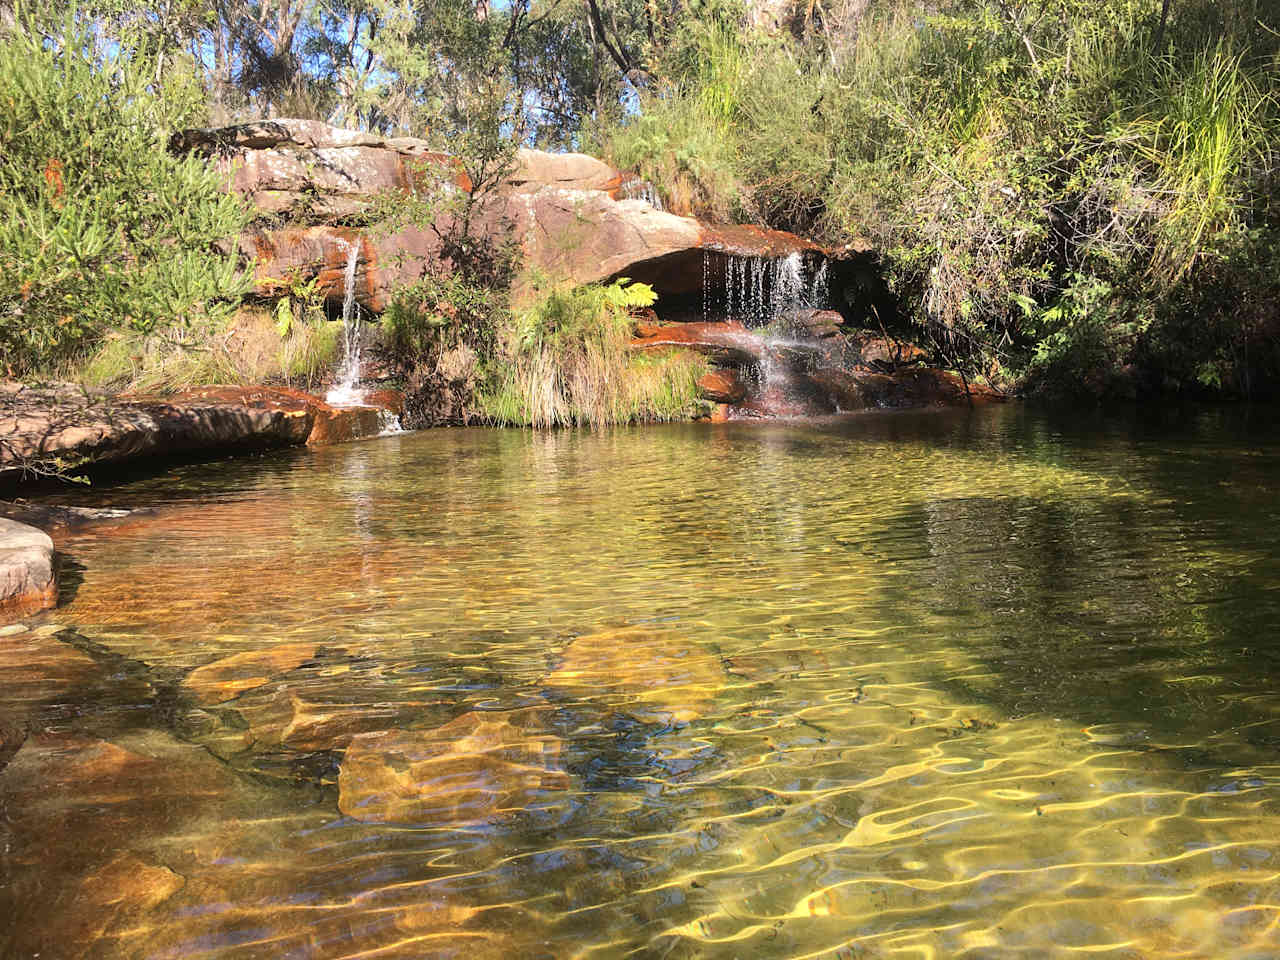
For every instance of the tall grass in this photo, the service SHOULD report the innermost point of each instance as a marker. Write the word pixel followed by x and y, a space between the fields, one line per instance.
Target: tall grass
pixel 1205 131
pixel 246 349
pixel 566 362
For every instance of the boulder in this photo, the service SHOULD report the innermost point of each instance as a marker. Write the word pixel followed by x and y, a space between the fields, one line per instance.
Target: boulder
pixel 883 353
pixel 811 322
pixel 473 769
pixel 229 677
pixel 723 342
pixel 28 578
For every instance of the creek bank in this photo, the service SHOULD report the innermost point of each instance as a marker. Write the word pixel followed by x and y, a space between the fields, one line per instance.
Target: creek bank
pixel 64 428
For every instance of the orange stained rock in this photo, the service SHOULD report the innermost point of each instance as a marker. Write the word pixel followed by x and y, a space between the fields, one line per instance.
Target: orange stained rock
pixel 477 766
pixel 229 677
pixel 722 386
pixel 655 676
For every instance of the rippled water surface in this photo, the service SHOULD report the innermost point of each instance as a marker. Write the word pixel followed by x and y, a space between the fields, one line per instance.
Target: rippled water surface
pixel 935 685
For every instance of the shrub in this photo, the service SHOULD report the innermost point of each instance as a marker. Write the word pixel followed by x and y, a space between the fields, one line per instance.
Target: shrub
pixel 100 228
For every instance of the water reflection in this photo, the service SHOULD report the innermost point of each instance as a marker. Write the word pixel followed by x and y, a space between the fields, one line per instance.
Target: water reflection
pixel 955 685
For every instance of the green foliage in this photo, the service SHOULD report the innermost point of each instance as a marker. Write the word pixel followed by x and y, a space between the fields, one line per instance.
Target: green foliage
pixel 100 228
pixel 1053 185
pixel 565 362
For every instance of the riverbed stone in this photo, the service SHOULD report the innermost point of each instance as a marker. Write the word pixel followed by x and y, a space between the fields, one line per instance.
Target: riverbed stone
pixel 475 768
pixel 227 678
pixel 653 675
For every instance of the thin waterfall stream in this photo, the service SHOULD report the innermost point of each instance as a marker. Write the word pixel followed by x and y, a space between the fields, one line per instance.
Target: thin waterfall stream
pixel 767 295
pixel 346 391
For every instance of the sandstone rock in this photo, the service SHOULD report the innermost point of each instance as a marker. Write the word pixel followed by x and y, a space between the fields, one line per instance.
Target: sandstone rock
pixel 28 580
pixel 652 675
pixel 884 353
pixel 308 716
pixel 842 389
pixel 119 891
pixel 82 817
pixel 229 677
pixel 811 322
pixel 916 386
pixel 576 171
pixel 575 217
pixel 722 386
pixel 472 769
pixel 65 425
pixel 344 424
pixel 724 343
pixel 38 670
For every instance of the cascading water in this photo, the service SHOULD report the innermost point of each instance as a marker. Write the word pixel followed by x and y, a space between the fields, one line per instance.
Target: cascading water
pixel 759 291
pixel 763 294
pixel 347 391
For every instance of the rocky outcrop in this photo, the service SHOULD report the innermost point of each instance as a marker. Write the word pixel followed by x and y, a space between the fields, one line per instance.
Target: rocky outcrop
pixel 574 216
pixel 578 219
pixel 28 577
pixel 63 427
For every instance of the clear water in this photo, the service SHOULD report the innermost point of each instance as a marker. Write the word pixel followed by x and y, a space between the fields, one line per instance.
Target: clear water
pixel 984 684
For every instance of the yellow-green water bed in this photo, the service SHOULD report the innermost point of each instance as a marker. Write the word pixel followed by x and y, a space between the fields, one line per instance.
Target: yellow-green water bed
pixel 980 684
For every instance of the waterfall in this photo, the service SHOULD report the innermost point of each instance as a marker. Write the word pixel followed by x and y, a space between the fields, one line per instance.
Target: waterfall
pixel 346 392
pixel 758 291
pixel 763 293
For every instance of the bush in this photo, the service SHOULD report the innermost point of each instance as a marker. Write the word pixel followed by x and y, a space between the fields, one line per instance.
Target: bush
pixel 565 362
pixel 100 228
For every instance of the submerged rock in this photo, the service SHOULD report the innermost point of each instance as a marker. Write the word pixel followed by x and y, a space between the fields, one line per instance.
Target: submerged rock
pixel 472 769
pixel 652 675
pixel 229 677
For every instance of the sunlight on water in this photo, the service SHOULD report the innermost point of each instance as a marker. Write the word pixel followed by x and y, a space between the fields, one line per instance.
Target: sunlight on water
pixel 935 685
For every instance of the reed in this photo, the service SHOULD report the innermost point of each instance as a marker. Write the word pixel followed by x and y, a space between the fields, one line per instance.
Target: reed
pixel 565 361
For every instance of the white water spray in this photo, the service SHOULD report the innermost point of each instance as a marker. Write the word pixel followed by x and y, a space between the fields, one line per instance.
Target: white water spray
pixel 760 290
pixel 346 392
